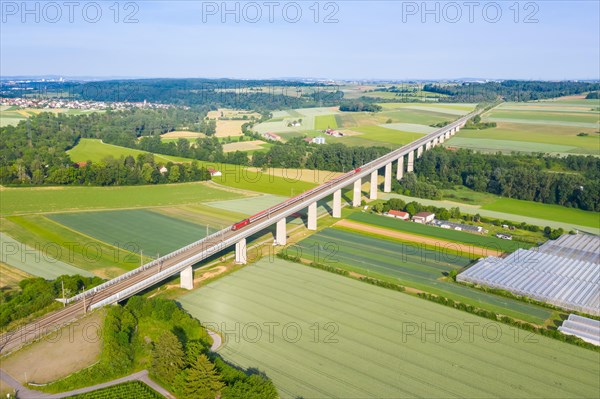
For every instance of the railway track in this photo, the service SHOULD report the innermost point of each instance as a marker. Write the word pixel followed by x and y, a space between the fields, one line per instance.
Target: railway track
pixel 200 250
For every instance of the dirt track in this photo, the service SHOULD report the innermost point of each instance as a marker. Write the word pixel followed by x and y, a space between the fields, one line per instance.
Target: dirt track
pixel 465 248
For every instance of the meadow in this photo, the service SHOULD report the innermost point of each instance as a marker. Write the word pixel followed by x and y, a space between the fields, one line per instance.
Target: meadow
pixel 10 276
pixel 408 264
pixel 96 151
pixel 135 229
pixel 25 200
pixel 545 211
pixel 351 339
pixel 35 260
pixel 323 122
pixel 13 115
pixel 58 249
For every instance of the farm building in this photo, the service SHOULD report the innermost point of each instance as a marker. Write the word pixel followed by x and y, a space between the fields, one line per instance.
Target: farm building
pixel 214 172
pixel 398 215
pixel 334 133
pixel 423 217
pixel 272 136
pixel 563 273
pixel 504 236
pixel 457 226
pixel 315 140
pixel 582 327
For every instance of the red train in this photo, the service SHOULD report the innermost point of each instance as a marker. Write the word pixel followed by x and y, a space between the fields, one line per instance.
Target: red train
pixel 277 207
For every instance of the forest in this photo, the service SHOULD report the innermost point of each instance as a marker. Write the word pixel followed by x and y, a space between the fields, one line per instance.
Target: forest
pixel 509 90
pixel 259 95
pixel 572 181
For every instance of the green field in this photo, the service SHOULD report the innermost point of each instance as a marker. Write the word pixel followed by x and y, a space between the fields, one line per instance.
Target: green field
pixel 263 182
pixel 13 115
pixel 135 229
pixel 95 150
pixel 550 126
pixel 369 349
pixel 323 122
pixel 438 232
pixel 531 138
pixel 385 135
pixel 581 119
pixel 38 262
pixel 68 246
pixel 126 390
pixel 546 211
pixel 408 264
pixel 248 206
pixel 24 200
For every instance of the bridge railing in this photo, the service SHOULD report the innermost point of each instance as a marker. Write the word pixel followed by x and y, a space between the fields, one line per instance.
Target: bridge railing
pixel 153 263
pixel 391 155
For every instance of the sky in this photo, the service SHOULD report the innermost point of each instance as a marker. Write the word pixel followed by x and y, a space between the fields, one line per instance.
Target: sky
pixel 323 39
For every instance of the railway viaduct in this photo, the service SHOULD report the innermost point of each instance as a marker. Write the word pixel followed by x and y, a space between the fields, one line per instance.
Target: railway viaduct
pixel 182 260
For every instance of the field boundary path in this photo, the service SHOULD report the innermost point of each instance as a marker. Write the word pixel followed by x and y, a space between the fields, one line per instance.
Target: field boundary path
pixel 25 393
pixel 466 248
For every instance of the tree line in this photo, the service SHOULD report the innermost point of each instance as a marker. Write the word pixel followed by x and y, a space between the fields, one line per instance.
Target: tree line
pixel 35 294
pixel 509 90
pixel 572 181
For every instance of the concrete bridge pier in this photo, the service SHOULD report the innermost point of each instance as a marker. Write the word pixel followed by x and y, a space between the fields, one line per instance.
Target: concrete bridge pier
pixel 387 182
pixel 240 252
pixel 337 204
pixel 281 233
pixel 400 171
pixel 428 146
pixel 419 151
pixel 373 191
pixel 441 139
pixel 356 198
pixel 187 278
pixel 447 134
pixel 411 161
pixel 312 216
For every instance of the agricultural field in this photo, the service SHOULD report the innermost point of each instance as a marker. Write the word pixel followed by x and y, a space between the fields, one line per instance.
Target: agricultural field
pixel 36 260
pixel 408 263
pixel 53 249
pixel 135 229
pixel 182 134
pixel 95 150
pixel 387 136
pixel 22 200
pixel 437 232
pixel 351 339
pixel 247 146
pixel 10 276
pixel 13 115
pixel 544 126
pixel 126 390
pixel 323 122
pixel 228 128
pixel 232 113
pixel 545 211
pixel 267 182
